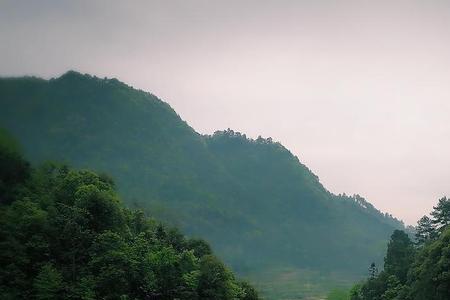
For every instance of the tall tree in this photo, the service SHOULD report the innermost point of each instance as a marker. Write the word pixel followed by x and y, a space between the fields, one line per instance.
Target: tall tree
pixel 429 277
pixel 14 170
pixel 48 283
pixel 399 256
pixel 426 269
pixel 425 230
pixel 215 280
pixel 373 270
pixel 441 213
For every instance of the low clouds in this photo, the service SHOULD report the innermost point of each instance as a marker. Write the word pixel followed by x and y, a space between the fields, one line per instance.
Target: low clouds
pixel 359 90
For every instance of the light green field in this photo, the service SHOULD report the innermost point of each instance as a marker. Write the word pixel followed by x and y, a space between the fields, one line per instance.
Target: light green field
pixel 295 284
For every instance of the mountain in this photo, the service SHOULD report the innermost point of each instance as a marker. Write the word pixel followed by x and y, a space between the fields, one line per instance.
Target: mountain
pixel 66 235
pixel 263 211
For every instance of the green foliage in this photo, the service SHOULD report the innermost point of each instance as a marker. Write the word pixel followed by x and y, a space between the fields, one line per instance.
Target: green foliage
pixel 394 288
pixel 48 283
pixel 425 230
pixel 252 199
pixel 430 274
pixel 248 292
pixel 338 294
pixel 215 281
pixel 66 235
pixel 14 170
pixel 356 293
pixel 421 273
pixel 441 213
pixel 373 270
pixel 399 255
pixel 199 246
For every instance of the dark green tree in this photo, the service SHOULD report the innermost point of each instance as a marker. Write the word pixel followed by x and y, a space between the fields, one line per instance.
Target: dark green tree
pixel 373 270
pixel 14 170
pixel 409 273
pixel 248 292
pixel 215 281
pixel 48 283
pixel 425 230
pixel 165 263
pixel 199 246
pixel 399 255
pixel 429 277
pixel 355 292
pixel 393 288
pixel 64 234
pixel 441 213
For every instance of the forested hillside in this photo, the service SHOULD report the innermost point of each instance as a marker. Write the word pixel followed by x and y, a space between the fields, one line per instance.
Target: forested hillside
pixel 413 270
pixel 64 234
pixel 253 200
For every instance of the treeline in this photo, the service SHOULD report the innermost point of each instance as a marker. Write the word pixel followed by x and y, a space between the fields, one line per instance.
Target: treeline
pixel 64 234
pixel 417 269
pixel 252 199
pixel 367 207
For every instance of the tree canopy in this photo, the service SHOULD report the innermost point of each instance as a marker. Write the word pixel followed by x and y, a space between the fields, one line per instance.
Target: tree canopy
pixel 253 200
pixel 414 271
pixel 64 234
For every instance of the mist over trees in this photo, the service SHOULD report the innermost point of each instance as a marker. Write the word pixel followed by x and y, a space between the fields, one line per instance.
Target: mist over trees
pixel 414 269
pixel 64 234
pixel 258 206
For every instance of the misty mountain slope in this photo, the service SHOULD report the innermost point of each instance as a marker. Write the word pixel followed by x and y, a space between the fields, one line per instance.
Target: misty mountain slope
pixel 155 157
pixel 84 120
pixel 307 225
pixel 252 199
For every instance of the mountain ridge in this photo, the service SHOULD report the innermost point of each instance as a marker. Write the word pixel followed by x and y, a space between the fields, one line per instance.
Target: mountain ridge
pixel 253 199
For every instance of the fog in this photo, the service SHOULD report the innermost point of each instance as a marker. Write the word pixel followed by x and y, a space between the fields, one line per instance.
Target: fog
pixel 358 90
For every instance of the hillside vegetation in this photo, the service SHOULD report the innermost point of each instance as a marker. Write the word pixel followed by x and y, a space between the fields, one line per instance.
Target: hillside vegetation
pixel 64 234
pixel 414 270
pixel 260 208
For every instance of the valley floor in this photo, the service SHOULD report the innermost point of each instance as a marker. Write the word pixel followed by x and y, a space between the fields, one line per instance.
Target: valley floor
pixel 296 284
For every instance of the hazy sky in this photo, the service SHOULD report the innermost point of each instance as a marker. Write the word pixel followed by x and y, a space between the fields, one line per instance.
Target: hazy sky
pixel 358 90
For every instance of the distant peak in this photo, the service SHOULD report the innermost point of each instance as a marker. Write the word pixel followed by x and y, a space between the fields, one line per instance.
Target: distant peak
pixel 73 74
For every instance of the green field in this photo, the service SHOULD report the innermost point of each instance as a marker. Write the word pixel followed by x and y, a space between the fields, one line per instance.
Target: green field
pixel 294 284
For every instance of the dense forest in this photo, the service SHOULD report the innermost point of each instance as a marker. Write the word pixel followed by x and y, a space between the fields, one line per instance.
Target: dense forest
pixel 260 208
pixel 414 269
pixel 64 234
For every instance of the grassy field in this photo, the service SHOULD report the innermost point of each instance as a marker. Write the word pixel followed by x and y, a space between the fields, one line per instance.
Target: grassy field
pixel 295 284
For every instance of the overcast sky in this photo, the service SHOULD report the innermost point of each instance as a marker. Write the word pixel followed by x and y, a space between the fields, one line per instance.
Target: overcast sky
pixel 358 90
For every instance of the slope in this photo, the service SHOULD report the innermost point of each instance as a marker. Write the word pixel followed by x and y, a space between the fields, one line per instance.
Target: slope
pixel 260 208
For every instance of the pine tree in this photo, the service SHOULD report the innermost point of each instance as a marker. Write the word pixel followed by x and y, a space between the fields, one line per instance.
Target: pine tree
pixel 373 270
pixel 441 213
pixel 425 230
pixel 48 284
pixel 399 256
